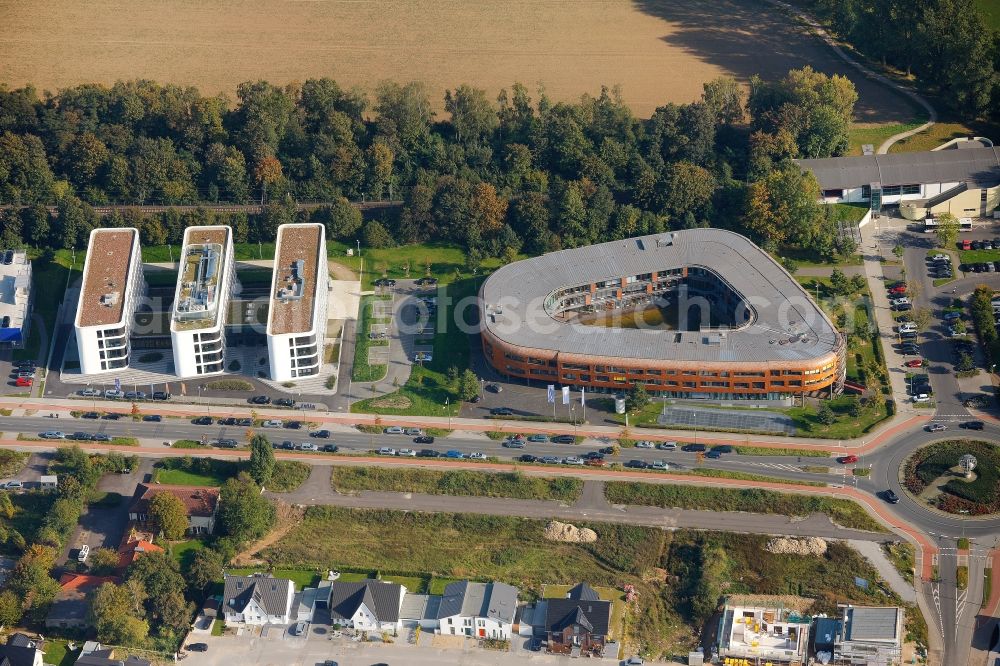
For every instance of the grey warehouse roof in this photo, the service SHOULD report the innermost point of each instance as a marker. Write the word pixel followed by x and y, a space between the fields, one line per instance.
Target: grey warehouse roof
pixel 787 325
pixel 977 165
pixel 497 601
pixel 872 623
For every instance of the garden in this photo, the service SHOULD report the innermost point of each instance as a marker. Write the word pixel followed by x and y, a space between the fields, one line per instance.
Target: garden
pixel 934 474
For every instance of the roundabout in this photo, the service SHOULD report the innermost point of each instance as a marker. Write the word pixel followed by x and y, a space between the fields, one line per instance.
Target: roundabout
pixel 955 476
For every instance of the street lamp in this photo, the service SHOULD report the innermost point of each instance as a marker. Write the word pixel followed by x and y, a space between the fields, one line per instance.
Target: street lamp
pixel 446 402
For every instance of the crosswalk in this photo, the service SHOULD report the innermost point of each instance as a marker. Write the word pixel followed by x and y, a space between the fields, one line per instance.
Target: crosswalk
pixel 785 467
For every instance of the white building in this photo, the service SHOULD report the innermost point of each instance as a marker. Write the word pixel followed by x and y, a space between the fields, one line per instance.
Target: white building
pixel 258 600
pixel 963 180
pixel 205 280
pixel 482 610
pixel 112 286
pixel 369 605
pixel 296 325
pixel 15 298
pixel 763 633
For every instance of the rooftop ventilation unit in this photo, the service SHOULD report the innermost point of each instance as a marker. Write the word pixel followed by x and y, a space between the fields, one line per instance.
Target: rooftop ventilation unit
pixel 111 298
pixel 666 240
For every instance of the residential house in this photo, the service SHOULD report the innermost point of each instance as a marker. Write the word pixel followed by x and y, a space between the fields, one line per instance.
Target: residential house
pixel 20 651
pixel 258 599
pixel 578 625
pixel 763 630
pixel 483 610
pixel 201 505
pixel 135 544
pixel 369 605
pixel 69 608
pixel 102 656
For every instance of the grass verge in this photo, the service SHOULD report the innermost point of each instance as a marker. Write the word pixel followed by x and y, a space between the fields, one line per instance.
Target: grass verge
pixel 903 558
pixel 456 482
pixel 752 500
pixel 288 475
pixel 766 451
pixel 362 371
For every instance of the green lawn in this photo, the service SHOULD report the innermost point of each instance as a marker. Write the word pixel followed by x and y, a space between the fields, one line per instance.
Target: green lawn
pixel 876 134
pixel 288 475
pixel 52 269
pixel 57 653
pixel 990 9
pixel 428 391
pixel 978 256
pixel 939 133
pixel 456 482
pixel 413 584
pixel 201 472
pixel 183 551
pixel 845 427
pixel 437 584
pixel 300 576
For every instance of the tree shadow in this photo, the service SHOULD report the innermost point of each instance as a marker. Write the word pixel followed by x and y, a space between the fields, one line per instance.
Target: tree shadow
pixel 747 37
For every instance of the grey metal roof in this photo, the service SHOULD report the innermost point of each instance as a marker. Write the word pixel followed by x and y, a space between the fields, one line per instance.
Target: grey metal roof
pixel 420 607
pixel 272 594
pixel 872 623
pixel 978 165
pixel 497 601
pixel 381 598
pixel 787 325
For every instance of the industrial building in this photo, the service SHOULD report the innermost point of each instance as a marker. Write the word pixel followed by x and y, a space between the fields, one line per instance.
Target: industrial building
pixel 591 317
pixel 205 280
pixel 296 325
pixel 15 298
pixel 112 286
pixel 962 179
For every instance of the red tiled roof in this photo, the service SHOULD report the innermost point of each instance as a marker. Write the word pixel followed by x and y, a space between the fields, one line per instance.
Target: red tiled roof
pixel 197 501
pixel 73 581
pixel 130 552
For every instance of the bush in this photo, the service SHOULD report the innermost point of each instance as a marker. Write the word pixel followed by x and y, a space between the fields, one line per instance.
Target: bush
pixel 456 482
pixel 978 497
pixel 962 577
pixel 229 385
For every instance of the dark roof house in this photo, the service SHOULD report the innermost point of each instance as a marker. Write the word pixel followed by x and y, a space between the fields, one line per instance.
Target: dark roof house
pixel 106 658
pixel 272 595
pixel 496 601
pixel 581 611
pixel 20 651
pixel 382 599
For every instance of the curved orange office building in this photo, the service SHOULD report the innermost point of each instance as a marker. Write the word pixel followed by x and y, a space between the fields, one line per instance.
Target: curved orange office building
pixel 745 329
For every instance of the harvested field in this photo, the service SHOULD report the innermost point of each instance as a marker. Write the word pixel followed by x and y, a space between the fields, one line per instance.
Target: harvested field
pixel 657 50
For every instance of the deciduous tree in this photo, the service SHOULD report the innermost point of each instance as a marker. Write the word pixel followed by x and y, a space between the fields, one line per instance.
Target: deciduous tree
pixel 170 515
pixel 261 465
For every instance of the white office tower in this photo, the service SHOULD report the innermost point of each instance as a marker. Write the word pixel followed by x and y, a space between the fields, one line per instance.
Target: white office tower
pixel 112 286
pixel 205 280
pixel 296 324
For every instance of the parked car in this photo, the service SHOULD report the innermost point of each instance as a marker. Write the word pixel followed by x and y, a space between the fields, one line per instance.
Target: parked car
pixel 114 394
pixel 226 443
pixel 244 422
pixel 81 436
pixel 921 397
pixel 82 554
pixel 14 485
pixel 412 432
pixel 636 464
pixel 902 307
pixel 454 454
pixel 114 416
pixel 260 400
pixel 645 444
pixel 595 462
pixel 607 450
pixel 198 647
pixel 160 395
pixel 494 388
pixel 135 395
pixel 90 415
pixel 572 460
pixel 202 420
pixel 951 315
pixel 288 445
pixel 428 453
pixel 101 437
pixel 724 448
pixel 694 448
pixel 330 448
pixel 284 402
pixel 272 423
pixel 384 282
pixel 23 382
pixel 667 446
pixel 501 411
pixel 322 434
pixel 659 465
pixel 563 439
pixel 550 460
pixel 538 438
pixel 298 629
pixel 308 446
pixel 915 363
pixel 293 425
pixel 527 458
pixel 386 451
pixel 153 418
pixel 52 434
pixel 476 455
pixel 714 453
pixel 407 453
pixel 90 393
pixel 423 439
pixel 393 430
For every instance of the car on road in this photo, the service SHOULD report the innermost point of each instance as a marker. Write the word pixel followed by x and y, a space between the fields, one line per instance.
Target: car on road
pixel 101 437
pixel 714 453
pixel 914 363
pixel 260 400
pixel 636 464
pixel 936 427
pixel 659 465
pixel 513 444
pixel 393 430
pixel 272 423
pixel 527 458
pixel 423 439
pixel 406 453
pixel 90 415
pixel 645 444
pixel 564 439
pixel 476 455
pixel 550 460
pixel 890 497
pixel 322 434
pixel 428 453
pixel 694 448
pixel 386 451
pixel 494 388
pixel 153 418
pixel 849 459
pixel 454 454
pixel 972 425
pixel 607 450
pixel 82 554
pixel 52 434
pixel 724 448
pixel 538 438
pixel 90 393
pixel 501 411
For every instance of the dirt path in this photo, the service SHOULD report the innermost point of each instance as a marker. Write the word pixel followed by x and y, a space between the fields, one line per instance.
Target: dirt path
pixel 341 272
pixel 288 517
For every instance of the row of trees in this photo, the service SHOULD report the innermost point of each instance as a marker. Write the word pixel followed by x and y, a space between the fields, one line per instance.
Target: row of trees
pixel 945 43
pixel 513 175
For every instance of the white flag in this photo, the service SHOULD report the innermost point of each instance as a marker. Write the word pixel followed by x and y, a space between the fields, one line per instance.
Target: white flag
pixel 565 390
pixel 552 393
pixel 583 396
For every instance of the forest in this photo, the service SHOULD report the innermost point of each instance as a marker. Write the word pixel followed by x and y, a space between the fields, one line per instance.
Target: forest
pixel 519 174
